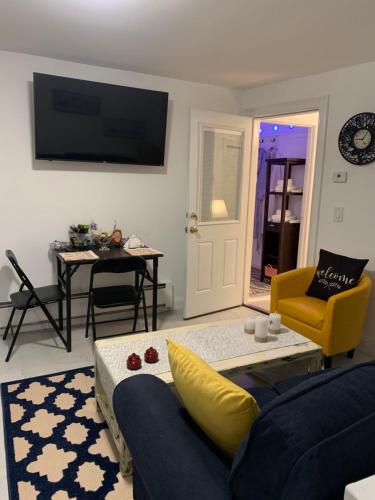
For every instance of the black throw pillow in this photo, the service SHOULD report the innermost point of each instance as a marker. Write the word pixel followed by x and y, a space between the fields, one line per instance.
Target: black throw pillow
pixel 335 274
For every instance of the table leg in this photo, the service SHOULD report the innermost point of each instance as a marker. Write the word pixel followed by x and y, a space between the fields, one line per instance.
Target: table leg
pixel 68 298
pixel 60 303
pixel 155 263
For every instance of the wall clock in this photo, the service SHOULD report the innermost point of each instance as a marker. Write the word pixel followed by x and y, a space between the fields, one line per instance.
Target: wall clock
pixel 357 139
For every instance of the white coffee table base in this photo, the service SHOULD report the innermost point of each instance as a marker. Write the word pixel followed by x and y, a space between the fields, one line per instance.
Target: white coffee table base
pixel 125 458
pixel 361 490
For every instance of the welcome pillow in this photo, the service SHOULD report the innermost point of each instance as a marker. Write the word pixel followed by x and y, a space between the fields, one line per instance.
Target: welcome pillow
pixel 335 274
pixel 223 410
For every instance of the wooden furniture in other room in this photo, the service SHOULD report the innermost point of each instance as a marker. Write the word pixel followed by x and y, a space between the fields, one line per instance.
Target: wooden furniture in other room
pixel 280 240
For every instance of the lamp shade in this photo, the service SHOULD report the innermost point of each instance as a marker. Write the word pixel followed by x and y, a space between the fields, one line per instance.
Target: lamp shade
pixel 219 209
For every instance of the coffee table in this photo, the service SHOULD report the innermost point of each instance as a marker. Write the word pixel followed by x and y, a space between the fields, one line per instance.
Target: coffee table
pixel 223 344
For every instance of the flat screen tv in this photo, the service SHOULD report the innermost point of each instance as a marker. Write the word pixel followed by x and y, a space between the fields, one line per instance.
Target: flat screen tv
pixel 79 120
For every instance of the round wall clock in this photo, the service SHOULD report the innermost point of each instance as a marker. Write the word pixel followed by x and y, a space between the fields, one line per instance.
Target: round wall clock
pixel 357 139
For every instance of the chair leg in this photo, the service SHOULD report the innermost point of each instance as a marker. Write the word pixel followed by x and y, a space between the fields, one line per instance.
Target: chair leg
pixel 93 321
pixel 350 354
pixel 16 335
pixel 53 323
pixel 88 317
pixel 9 323
pixel 144 310
pixel 327 362
pixel 61 315
pixel 136 309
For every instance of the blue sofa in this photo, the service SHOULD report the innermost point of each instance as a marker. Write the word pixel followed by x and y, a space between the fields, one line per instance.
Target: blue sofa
pixel 314 434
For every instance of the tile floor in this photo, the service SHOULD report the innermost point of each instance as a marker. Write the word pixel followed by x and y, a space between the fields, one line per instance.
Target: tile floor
pixel 40 352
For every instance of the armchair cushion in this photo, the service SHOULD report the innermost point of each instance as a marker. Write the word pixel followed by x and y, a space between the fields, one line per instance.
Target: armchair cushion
pixel 335 274
pixel 305 309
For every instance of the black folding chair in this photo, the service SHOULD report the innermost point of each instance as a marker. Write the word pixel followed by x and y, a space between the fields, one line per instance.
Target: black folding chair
pixel 119 295
pixel 23 300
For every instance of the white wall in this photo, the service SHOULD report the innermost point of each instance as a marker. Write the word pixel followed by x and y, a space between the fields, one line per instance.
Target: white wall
pixel 293 145
pixel 40 199
pixel 350 91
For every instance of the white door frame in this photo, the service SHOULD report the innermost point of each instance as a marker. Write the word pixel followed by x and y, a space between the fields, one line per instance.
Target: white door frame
pixel 289 108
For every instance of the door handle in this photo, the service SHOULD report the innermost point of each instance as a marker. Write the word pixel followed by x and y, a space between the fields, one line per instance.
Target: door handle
pixel 193 229
pixel 194 216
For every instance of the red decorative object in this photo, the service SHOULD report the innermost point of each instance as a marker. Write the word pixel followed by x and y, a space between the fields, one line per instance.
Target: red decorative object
pixel 134 362
pixel 270 271
pixel 151 355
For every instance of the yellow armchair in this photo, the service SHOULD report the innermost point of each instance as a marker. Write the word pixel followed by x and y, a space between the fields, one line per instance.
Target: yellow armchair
pixel 335 324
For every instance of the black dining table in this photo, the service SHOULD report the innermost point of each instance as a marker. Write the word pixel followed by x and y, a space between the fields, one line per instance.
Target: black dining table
pixel 67 268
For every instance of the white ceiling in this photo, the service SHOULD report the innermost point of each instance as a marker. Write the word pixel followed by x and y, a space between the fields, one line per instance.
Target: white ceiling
pixel 234 43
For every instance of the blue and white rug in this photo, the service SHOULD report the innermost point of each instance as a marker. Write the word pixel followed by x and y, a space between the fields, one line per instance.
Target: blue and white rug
pixel 58 445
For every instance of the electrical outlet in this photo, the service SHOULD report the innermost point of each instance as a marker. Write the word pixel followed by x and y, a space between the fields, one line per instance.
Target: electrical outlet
pixel 338 214
pixel 340 176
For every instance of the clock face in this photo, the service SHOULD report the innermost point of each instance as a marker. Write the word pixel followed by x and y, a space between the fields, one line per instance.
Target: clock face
pixel 357 139
pixel 362 139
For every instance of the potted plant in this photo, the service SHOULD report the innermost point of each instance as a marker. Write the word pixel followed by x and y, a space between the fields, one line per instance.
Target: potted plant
pixel 79 235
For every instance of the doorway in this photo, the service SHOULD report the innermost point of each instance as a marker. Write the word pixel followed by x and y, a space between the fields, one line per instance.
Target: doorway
pixel 282 174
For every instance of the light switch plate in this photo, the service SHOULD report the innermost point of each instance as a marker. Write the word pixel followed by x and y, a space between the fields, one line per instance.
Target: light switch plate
pixel 340 176
pixel 338 214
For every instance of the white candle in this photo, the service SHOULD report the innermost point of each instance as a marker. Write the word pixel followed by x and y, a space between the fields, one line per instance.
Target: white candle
pixel 261 329
pixel 274 322
pixel 249 325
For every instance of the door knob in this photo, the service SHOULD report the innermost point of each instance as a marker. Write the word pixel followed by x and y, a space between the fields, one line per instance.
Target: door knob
pixel 194 229
pixel 194 216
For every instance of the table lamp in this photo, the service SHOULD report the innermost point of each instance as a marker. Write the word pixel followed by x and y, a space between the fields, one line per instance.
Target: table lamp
pixel 219 209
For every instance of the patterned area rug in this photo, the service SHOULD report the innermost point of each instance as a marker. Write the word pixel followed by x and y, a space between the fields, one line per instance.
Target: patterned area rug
pixel 257 286
pixel 58 445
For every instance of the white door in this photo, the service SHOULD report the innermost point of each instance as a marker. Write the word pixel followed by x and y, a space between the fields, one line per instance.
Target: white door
pixel 216 218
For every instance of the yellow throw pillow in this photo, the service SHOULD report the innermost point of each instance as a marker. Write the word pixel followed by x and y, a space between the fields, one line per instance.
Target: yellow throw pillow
pixel 223 410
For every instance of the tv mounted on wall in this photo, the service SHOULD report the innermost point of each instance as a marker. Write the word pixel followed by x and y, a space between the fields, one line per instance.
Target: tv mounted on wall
pixel 79 120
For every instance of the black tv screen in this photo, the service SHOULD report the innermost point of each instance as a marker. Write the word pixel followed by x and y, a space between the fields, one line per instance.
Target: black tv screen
pixel 80 120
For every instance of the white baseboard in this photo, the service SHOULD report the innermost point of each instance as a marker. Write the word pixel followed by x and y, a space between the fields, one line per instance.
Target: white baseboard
pixel 37 321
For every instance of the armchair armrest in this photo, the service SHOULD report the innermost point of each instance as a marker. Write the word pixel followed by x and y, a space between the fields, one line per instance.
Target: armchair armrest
pixel 290 284
pixel 345 317
pixel 172 457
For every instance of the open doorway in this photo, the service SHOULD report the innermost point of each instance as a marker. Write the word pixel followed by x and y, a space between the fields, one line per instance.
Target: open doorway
pixel 283 158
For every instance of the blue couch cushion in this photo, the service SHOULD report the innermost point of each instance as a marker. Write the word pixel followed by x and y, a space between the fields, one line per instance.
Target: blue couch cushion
pixel 266 394
pixel 311 441
pixel 263 395
pixel 289 383
pixel 172 457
